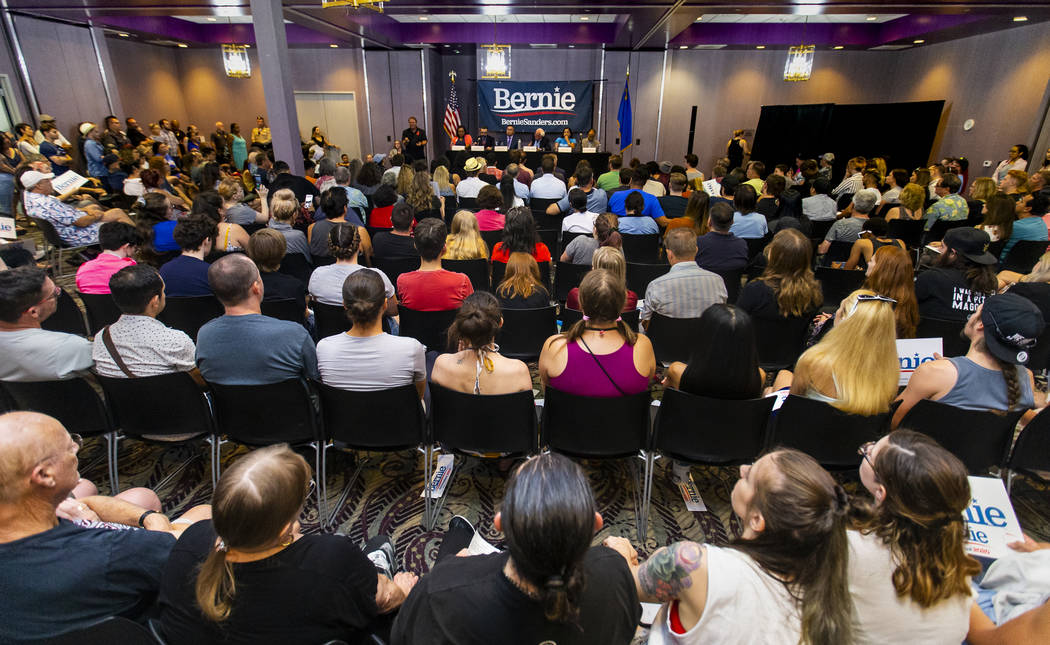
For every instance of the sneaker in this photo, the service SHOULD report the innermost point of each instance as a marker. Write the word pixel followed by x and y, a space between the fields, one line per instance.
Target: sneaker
pixel 680 472
pixel 459 522
pixel 382 555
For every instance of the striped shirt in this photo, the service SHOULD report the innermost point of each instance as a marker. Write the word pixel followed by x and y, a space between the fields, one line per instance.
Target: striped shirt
pixel 686 291
pixel 850 185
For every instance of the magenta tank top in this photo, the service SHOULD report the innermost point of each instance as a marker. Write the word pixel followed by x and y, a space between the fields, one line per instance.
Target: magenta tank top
pixel 582 375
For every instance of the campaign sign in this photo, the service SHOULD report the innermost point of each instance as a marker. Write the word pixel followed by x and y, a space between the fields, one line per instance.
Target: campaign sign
pixel 912 352
pixel 551 105
pixel 991 523
pixel 7 228
pixel 67 181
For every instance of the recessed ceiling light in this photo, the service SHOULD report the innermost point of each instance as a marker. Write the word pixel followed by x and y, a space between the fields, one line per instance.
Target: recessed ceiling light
pixel 837 47
pixel 572 46
pixel 424 17
pixel 872 18
pixel 683 47
pixel 333 46
pixel 1020 18
pixel 699 19
pixel 919 41
pixel 446 45
pixel 585 17
pixel 456 52
pixel 760 47
pixel 212 19
pixel 123 35
pixel 183 45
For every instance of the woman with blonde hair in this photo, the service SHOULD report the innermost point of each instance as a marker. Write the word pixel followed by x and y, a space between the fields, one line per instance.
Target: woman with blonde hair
pixel 612 260
pixel 1040 274
pixel 404 180
pixel 912 204
pixel 891 273
pixel 695 216
pixel 1015 184
pixel 444 182
pixel 982 188
pixel 234 209
pixel 422 199
pixel 787 287
pixel 250 575
pixel 521 287
pixel 854 367
pixel 465 242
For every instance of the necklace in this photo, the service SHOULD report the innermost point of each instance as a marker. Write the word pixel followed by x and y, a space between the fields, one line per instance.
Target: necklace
pixel 601 330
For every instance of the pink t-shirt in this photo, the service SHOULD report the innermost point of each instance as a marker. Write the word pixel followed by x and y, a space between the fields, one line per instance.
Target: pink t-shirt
pixel 93 276
pixel 490 220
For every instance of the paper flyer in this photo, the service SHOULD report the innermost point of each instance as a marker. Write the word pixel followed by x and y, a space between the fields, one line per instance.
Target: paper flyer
pixel 440 479
pixel 912 352
pixel 691 495
pixel 7 228
pixel 67 181
pixel 991 522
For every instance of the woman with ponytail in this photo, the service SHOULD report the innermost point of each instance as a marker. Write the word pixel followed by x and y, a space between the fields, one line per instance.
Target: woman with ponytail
pixel 783 581
pixel 250 576
pixel 909 575
pixel 549 586
pixel 581 249
pixel 600 355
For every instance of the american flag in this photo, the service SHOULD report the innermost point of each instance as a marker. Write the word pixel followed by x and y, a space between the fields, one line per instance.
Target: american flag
pixel 452 112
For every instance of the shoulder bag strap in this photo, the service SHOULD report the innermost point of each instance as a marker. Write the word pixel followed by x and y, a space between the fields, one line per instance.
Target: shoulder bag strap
pixel 107 340
pixel 602 367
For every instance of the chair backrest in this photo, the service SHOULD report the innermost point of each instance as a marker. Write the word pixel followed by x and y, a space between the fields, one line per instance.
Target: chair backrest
pixel 476 270
pixel 595 427
pixel 566 239
pixel 390 419
pixel 843 201
pixel 908 231
pixel 1024 255
pixel 72 401
pixel 640 275
pixel 451 207
pixel 731 431
pixel 67 317
pixel 114 629
pixel 976 212
pixel 948 331
pixel 428 327
pixel 500 268
pixel 1032 450
pixel 394 268
pixel 101 310
pixel 49 232
pixel 297 266
pixel 546 222
pixel 540 204
pixel 283 309
pixel 673 338
pixel 641 248
pixel 820 228
pixel 261 415
pixel 468 203
pixel 567 277
pixel 464 422
pixel 838 251
pixel 779 340
pixel 492 238
pixel 940 227
pixel 824 432
pixel 549 237
pixel 190 314
pixel 755 245
pixel 732 282
pixel 525 330
pixel 979 438
pixel 330 319
pixel 167 404
pixel 836 284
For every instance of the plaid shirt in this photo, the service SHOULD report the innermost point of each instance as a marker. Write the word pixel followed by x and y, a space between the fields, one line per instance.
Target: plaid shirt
pixel 685 291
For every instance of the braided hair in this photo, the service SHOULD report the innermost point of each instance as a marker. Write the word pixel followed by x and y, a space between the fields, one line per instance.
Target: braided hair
pixel 344 241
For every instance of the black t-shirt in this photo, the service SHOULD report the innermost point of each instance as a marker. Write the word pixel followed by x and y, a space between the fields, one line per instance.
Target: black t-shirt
pixel 944 295
pixel 537 299
pixel 468 601
pixel 301 186
pixel 281 286
pixel 721 252
pixel 413 148
pixel 767 206
pixel 673 205
pixel 320 588
pixel 1037 292
pixel 70 577
pixel 388 246
pixel 760 301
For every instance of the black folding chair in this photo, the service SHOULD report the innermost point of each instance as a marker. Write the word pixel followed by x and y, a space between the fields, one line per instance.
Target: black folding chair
pixel 467 204
pixel 538 205
pixel 190 314
pixel 569 317
pixel 549 237
pixel 587 427
pixel 1024 255
pixel 394 268
pixel 843 201
pixel 819 229
pixel 158 406
pixel 67 317
pixel 492 238
pixel 284 309
pixel 263 415
pixel 461 424
pixel 567 277
pixel 56 246
pixel 330 319
pixel 1031 452
pixel 566 239
pixel 940 227
pixel 428 327
pixel 908 231
pixel 779 340
pixel 451 208
pixel 975 210
pixel 640 275
pixel 836 284
pixel 525 330
pixel 673 338
pixel 101 310
pixel 979 438
pixel 824 432
pixel 732 282
pixel 114 629
pixel 378 421
pixel 641 248
pixel 476 270
pixel 838 251
pixel 948 331
pixel 75 404
pixel 298 266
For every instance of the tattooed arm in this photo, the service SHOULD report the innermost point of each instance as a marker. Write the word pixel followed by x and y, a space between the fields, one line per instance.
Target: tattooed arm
pixel 677 571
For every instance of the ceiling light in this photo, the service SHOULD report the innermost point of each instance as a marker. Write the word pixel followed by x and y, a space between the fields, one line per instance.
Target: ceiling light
pixel 456 52
pixel 235 61
pixel 572 46
pixel 799 64
pixel 918 42
pixel 837 47
pixel 123 35
pixel 212 19
pixel 760 47
pixel 424 18
pixel 585 17
pixel 699 19
pixel 333 46
pixel 446 45
pixel 872 18
pixel 183 45
pixel 1020 18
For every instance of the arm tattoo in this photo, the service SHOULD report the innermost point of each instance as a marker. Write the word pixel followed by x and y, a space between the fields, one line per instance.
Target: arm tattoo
pixel 667 573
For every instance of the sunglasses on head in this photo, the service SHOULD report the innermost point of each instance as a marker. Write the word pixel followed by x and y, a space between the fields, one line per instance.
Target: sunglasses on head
pixel 870 298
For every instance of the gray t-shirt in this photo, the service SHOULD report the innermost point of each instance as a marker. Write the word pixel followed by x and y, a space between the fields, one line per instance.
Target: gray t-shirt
pixel 367 364
pixel 255 350
pixel 846 229
pixel 242 214
pixel 581 249
pixel 42 355
pixel 295 239
pixel 326 283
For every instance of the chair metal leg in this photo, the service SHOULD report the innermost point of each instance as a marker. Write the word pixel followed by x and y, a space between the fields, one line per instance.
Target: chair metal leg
pixel 428 517
pixel 341 501
pixel 319 476
pixel 645 497
pixel 111 452
pixel 216 459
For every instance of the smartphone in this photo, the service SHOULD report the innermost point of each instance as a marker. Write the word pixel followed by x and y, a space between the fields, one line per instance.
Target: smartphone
pixel 309 201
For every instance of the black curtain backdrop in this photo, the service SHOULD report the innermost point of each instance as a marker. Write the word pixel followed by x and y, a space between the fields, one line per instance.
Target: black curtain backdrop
pixel 901 133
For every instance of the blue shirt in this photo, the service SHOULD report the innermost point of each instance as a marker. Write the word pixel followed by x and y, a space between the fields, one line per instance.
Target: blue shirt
pixel 548 187
pixel 185 277
pixel 93 151
pixel 562 142
pixel 255 350
pixel 750 226
pixel 356 197
pixel 597 201
pixel 49 150
pixel 652 204
pixel 1029 229
pixel 638 225
pixel 163 237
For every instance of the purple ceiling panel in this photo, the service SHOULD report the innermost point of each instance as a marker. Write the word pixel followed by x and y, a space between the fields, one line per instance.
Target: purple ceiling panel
pixel 514 33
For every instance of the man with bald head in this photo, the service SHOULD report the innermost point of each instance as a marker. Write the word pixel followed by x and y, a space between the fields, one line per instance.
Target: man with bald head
pixel 222 142
pixel 245 347
pixel 56 575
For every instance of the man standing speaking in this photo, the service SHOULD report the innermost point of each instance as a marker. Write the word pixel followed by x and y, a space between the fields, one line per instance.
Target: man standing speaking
pixel 414 141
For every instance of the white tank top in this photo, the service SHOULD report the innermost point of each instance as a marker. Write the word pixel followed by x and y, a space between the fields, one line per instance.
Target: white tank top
pixel 745 606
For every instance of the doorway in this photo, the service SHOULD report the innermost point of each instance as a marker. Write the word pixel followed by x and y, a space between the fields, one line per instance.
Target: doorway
pixel 336 114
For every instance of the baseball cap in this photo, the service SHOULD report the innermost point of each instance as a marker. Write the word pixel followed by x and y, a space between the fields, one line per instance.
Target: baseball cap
pixel 86 127
pixel 828 157
pixel 33 177
pixel 971 243
pixel 665 166
pixel 1012 325
pixel 472 165
pixel 46 117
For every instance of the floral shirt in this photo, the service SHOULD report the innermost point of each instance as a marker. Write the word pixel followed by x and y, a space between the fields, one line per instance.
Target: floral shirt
pixel 949 207
pixel 62 217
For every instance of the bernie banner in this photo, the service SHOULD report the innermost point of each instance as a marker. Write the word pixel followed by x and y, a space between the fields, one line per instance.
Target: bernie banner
pixel 551 105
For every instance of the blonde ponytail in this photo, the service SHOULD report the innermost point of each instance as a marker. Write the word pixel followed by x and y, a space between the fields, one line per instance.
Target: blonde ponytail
pixel 215 586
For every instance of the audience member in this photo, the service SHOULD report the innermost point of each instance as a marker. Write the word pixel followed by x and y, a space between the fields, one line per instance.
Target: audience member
pixel 267 248
pixel 1017 160
pixel 787 287
pixel 586 359
pixel 519 236
pixel 580 219
pixel 432 288
pixel 234 210
pixel 366 358
pixel 612 260
pixel 768 204
pixel 521 287
pixel 283 178
pixel 992 375
pixel 490 203
pixel 1029 225
pixel 686 291
pixel 547 185
pixel 334 203
pixel 396 244
pixel 695 215
pixel 853 182
pixel 284 208
pixel 75 226
pixel 550 586
pixel 470 186
pixel 476 365
pixel 725 364
pixel 999 217
pixel 890 273
pixel 784 580
pixel 897 179
pixel 244 347
pixel 961 277
pixel 355 198
pixel 230 237
pixel 911 204
pixel 27 298
pixel 326 282
pixel 596 199
pixel 848 229
pixel 119 241
pixel 582 247
pixel 646 215
pixel 747 223
pixel 950 205
pixel 873 236
pixel 187 274
pixel 674 204
pixel 719 249
pixel 465 241
pixel 611 178
pixel 652 186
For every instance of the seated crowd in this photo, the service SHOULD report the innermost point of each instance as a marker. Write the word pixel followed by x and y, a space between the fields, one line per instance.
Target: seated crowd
pixel 372 241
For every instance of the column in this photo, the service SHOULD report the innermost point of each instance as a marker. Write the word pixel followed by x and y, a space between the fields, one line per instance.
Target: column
pixel 272 41
pixel 105 70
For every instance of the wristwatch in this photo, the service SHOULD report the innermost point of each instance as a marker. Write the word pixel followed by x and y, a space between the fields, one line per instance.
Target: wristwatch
pixel 142 518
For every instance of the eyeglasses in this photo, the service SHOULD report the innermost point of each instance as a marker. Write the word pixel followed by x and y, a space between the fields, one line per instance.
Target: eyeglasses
pixel 51 296
pixel 865 451
pixel 870 298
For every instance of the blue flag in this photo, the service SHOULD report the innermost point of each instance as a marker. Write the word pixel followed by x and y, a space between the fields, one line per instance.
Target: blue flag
pixel 623 117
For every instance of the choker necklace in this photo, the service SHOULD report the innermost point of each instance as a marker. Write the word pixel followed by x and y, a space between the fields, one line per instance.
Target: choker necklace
pixel 601 330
